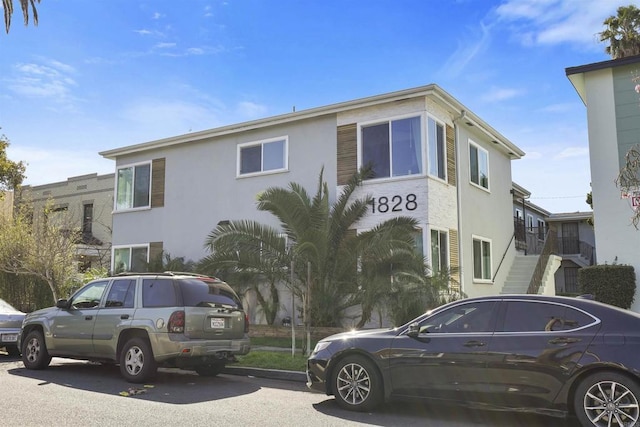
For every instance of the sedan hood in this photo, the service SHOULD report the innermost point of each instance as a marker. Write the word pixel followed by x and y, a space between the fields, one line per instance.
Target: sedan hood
pixel 11 320
pixel 361 334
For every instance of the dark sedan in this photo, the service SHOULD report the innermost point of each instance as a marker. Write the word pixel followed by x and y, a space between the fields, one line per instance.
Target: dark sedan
pixel 10 323
pixel 543 354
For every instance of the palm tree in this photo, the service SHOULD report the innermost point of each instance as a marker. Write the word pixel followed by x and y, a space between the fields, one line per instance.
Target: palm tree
pixel 322 241
pixel 7 5
pixel 622 32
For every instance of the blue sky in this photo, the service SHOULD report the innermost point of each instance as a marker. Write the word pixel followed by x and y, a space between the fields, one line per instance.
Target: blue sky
pixel 97 75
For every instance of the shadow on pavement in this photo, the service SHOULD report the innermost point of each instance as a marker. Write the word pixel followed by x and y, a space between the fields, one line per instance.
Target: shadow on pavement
pixel 169 386
pixel 443 415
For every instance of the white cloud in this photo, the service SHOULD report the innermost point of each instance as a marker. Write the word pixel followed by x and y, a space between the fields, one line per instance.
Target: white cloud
pixel 502 94
pixel 571 152
pixel 251 110
pixel 467 50
pixel 550 22
pixel 164 45
pixel 51 80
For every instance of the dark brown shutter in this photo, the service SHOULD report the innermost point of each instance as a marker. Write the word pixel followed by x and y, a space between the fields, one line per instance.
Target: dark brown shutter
pixel 157 183
pixel 347 152
pixel 451 155
pixel 454 261
pixel 155 250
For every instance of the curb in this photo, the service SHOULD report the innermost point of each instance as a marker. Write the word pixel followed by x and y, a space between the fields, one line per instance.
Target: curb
pixel 266 373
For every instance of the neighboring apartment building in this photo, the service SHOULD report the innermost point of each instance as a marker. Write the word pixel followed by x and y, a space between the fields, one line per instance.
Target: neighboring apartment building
pixel 613 112
pixel 433 160
pixel 6 204
pixel 87 201
pixel 576 245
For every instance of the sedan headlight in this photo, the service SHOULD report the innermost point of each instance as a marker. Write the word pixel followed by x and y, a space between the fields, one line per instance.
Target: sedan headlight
pixel 321 346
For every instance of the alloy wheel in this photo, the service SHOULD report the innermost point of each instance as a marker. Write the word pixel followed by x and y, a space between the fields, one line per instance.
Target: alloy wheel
pixel 609 403
pixel 353 384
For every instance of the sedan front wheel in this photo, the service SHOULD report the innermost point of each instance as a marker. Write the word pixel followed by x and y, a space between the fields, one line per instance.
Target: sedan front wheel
pixel 357 385
pixel 607 399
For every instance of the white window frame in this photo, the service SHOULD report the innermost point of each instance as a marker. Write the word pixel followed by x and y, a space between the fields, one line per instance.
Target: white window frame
pixel 131 248
pixel 445 232
pixel 132 166
pixel 485 276
pixel 262 143
pixel 433 149
pixel 479 150
pixel 389 120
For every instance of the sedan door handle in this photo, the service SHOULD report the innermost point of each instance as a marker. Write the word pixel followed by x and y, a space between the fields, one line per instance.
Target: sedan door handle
pixel 474 344
pixel 124 316
pixel 563 340
pixel 88 317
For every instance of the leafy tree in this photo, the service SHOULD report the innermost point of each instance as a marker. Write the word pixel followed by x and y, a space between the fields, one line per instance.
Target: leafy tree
pixel 165 262
pixel 628 180
pixel 11 173
pixel 320 238
pixel 7 5
pixel 622 32
pixel 41 245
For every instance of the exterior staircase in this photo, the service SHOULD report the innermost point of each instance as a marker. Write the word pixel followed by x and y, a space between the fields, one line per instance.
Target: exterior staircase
pixel 520 274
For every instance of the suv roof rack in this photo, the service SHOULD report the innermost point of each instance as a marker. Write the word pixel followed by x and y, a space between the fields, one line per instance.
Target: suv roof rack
pixel 169 274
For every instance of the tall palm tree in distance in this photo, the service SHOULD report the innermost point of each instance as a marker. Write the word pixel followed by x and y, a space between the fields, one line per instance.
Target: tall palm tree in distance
pixel 7 6
pixel 622 32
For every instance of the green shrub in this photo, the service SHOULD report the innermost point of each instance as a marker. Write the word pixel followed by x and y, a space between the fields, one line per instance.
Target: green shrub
pixel 612 284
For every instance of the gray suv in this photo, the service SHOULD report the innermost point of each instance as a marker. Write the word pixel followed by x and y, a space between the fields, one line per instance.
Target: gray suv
pixel 141 322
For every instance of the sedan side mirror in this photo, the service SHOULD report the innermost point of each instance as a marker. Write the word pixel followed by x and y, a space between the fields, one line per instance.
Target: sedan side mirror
pixel 414 330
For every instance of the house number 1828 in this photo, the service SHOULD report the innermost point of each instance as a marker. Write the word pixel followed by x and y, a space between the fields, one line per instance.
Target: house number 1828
pixel 394 203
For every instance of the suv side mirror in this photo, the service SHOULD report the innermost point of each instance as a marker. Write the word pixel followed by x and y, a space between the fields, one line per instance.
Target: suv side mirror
pixel 414 330
pixel 62 303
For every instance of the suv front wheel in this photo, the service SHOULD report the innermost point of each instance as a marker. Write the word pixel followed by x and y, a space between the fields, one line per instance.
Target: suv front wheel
pixel 136 361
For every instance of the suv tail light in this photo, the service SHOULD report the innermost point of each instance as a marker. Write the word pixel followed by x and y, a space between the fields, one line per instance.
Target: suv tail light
pixel 176 322
pixel 246 323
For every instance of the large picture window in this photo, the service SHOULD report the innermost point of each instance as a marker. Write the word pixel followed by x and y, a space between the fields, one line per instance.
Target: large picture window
pixel 479 163
pixel 133 186
pixel 130 258
pixel 481 259
pixel 263 156
pixel 437 149
pixel 393 148
pixel 439 251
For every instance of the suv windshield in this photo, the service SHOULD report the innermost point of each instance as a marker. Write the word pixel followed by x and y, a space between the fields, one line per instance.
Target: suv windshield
pixel 199 293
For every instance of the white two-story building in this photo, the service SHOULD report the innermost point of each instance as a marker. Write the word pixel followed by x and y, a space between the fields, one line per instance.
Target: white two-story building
pixel 433 160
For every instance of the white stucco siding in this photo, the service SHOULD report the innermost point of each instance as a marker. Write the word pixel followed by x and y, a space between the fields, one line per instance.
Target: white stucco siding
pixel 487 214
pixel 201 187
pixel 616 238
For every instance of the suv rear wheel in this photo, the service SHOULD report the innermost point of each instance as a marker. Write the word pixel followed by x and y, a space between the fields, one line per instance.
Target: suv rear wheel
pixel 136 361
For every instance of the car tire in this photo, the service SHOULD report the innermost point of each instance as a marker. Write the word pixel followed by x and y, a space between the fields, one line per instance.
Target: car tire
pixel 13 350
pixel 210 370
pixel 34 351
pixel 607 398
pixel 357 385
pixel 137 364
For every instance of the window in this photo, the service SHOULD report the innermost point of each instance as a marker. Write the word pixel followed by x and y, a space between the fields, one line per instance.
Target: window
pixel 132 258
pixel 133 187
pixel 264 156
pixel 436 148
pixel 121 293
pixel 87 219
pixel 529 222
pixel 481 259
pixel 418 243
pixel 90 296
pixel 463 318
pixel 393 148
pixel 523 316
pixel 158 293
pixel 439 252
pixel 541 229
pixel 479 163
pixel 519 214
